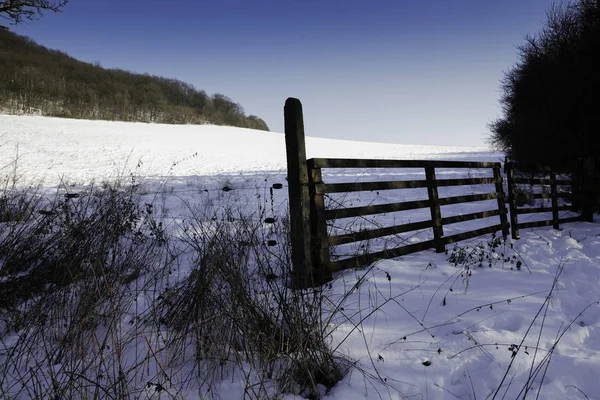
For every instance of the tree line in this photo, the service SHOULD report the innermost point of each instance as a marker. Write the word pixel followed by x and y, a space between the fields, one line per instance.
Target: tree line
pixel 551 99
pixel 50 82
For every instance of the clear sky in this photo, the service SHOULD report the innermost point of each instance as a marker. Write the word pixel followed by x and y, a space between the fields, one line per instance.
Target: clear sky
pixel 402 71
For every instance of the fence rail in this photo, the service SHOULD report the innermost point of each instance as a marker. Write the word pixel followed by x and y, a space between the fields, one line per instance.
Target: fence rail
pixel 320 215
pixel 554 196
pixel 311 244
pixel 376 163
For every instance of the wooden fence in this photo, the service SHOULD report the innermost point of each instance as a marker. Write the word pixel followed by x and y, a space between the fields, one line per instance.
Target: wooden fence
pixel 547 186
pixel 311 242
pixel 319 215
pixel 308 215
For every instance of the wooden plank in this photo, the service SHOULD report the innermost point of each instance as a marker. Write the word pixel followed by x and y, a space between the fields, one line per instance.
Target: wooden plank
pixel 318 226
pixel 564 182
pixel 541 196
pixel 512 202
pixel 579 218
pixel 471 234
pixel 373 186
pixel 555 223
pixel 531 167
pixel 530 196
pixel 375 233
pixel 541 181
pixel 466 181
pixel 501 204
pixel 536 210
pixel 545 195
pixel 363 260
pixel 445 201
pixel 374 163
pixel 366 259
pixel 535 224
pixel 531 181
pixel 470 217
pixel 377 209
pixel 390 185
pixel 299 197
pixel 577 177
pixel 436 213
pixel 587 186
pixel 368 186
pixel 533 210
pixel 565 208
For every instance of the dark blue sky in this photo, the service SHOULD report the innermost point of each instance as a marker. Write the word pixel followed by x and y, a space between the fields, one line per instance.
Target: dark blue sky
pixel 404 71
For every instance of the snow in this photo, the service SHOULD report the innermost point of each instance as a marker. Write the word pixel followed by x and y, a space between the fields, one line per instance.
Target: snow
pixel 51 149
pixel 417 327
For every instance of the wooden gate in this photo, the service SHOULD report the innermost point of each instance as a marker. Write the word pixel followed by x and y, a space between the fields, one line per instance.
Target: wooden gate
pixel 320 215
pixel 308 216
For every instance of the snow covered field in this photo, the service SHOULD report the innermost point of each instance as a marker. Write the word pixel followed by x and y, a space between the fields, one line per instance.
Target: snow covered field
pixel 416 327
pixel 51 148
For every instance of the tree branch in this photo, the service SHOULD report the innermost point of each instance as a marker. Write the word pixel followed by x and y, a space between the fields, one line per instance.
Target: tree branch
pixel 17 11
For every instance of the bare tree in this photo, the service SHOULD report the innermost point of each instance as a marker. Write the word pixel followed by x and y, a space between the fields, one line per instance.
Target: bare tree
pixel 18 10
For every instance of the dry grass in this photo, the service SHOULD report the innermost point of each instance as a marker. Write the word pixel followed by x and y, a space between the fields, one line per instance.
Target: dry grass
pixel 99 300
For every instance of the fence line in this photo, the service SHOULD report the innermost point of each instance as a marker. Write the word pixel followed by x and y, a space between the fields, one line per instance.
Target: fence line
pixel 554 196
pixel 308 214
pixel 319 215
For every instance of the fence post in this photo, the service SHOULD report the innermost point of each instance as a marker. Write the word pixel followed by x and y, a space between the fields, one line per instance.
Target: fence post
pixel 554 196
pixel 501 204
pixel 299 198
pixel 436 214
pixel 512 202
pixel 318 225
pixel 587 188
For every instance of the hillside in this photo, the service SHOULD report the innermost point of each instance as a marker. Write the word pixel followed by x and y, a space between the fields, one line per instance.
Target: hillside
pixel 168 277
pixel 56 149
pixel 35 79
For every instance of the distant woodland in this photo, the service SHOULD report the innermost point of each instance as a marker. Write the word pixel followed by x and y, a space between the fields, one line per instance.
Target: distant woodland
pixel 34 79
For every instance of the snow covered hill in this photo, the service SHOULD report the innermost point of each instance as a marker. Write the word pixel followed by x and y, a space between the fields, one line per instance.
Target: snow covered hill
pixel 422 326
pixel 51 149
